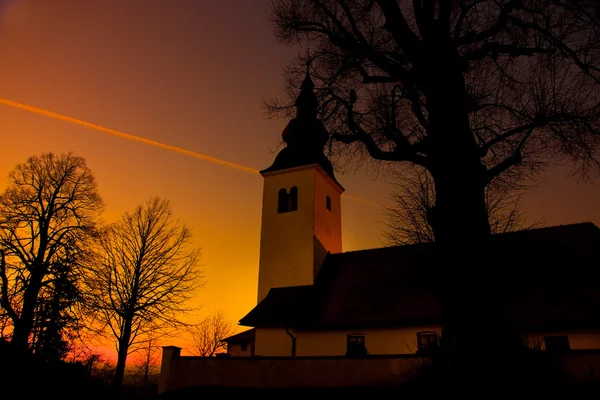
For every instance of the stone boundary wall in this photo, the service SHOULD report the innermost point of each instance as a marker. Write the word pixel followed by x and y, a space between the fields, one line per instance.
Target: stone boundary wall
pixel 279 372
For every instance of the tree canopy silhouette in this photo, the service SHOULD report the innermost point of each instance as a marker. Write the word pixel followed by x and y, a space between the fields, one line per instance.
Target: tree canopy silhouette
pixel 145 273
pixel 48 216
pixel 473 92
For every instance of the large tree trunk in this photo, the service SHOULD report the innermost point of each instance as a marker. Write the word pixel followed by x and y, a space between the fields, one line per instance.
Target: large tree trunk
pixel 474 326
pixel 24 325
pixel 122 354
pixel 38 268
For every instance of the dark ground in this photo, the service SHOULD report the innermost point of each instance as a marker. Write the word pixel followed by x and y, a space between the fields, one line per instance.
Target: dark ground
pixel 25 378
pixel 371 392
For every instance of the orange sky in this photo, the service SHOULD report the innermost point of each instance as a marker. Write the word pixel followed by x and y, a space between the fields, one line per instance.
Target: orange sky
pixel 189 74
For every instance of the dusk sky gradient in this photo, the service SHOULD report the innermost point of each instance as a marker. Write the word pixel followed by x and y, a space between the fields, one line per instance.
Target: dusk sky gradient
pixel 189 74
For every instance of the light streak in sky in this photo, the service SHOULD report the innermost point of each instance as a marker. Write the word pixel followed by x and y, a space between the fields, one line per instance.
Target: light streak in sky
pixel 53 115
pixel 124 135
pixel 363 201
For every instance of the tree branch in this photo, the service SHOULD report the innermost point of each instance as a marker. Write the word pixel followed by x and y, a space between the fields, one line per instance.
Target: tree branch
pixel 424 16
pixel 500 138
pixel 560 44
pixel 4 300
pixel 515 159
pixel 494 49
pixel 402 151
pixel 396 24
pixel 373 78
pixel 500 24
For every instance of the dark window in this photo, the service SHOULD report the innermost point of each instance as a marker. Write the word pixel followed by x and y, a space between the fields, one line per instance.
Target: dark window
pixel 355 345
pixel 287 201
pixel 282 201
pixel 557 343
pixel 244 346
pixel 427 341
pixel 293 199
pixel 328 203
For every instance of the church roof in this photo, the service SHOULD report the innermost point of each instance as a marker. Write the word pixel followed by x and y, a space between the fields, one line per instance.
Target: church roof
pixel 550 278
pixel 242 337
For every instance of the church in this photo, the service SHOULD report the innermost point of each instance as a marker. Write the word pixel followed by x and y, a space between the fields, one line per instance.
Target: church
pixel 326 318
pixel 315 300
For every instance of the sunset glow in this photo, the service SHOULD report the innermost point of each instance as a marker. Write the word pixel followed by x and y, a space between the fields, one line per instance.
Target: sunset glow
pixel 182 82
pixel 163 146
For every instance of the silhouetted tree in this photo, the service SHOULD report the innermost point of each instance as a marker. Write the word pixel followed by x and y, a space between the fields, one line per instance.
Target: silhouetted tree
pixel 5 325
pixel 208 334
pixel 472 91
pixel 98 366
pixel 145 274
pixel 57 316
pixel 49 208
pixel 414 196
pixel 147 361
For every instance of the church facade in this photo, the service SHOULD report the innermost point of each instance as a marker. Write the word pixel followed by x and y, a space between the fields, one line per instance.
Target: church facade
pixel 314 300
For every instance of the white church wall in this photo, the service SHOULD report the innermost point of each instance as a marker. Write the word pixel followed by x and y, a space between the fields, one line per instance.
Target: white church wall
pixel 276 342
pixel 237 350
pixel 272 342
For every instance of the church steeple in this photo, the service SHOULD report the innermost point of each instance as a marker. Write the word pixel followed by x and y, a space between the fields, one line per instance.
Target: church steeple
pixel 307 103
pixel 305 136
pixel 301 211
pixel 306 133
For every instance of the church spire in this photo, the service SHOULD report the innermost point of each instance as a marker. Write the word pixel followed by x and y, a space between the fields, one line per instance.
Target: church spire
pixel 306 102
pixel 306 131
pixel 308 84
pixel 305 136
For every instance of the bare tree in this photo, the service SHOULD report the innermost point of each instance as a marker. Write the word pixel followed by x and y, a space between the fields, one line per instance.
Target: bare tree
pixel 407 221
pixel 99 366
pixel 414 196
pixel 48 213
pixel 146 273
pixel 147 360
pixel 207 336
pixel 472 91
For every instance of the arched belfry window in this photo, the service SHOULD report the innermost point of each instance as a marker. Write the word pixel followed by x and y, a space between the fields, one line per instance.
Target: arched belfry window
pixel 287 202
pixel 328 202
pixel 293 199
pixel 282 201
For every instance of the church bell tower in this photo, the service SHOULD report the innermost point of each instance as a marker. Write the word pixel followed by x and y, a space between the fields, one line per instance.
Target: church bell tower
pixel 301 212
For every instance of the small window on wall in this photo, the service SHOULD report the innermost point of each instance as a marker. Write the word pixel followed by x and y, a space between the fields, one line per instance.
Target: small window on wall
pixel 427 341
pixel 557 343
pixel 328 202
pixel 355 345
pixel 244 346
pixel 287 202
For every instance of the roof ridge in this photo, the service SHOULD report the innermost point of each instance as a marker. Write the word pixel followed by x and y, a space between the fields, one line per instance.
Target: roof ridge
pixel 545 228
pixel 494 235
pixel 380 248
